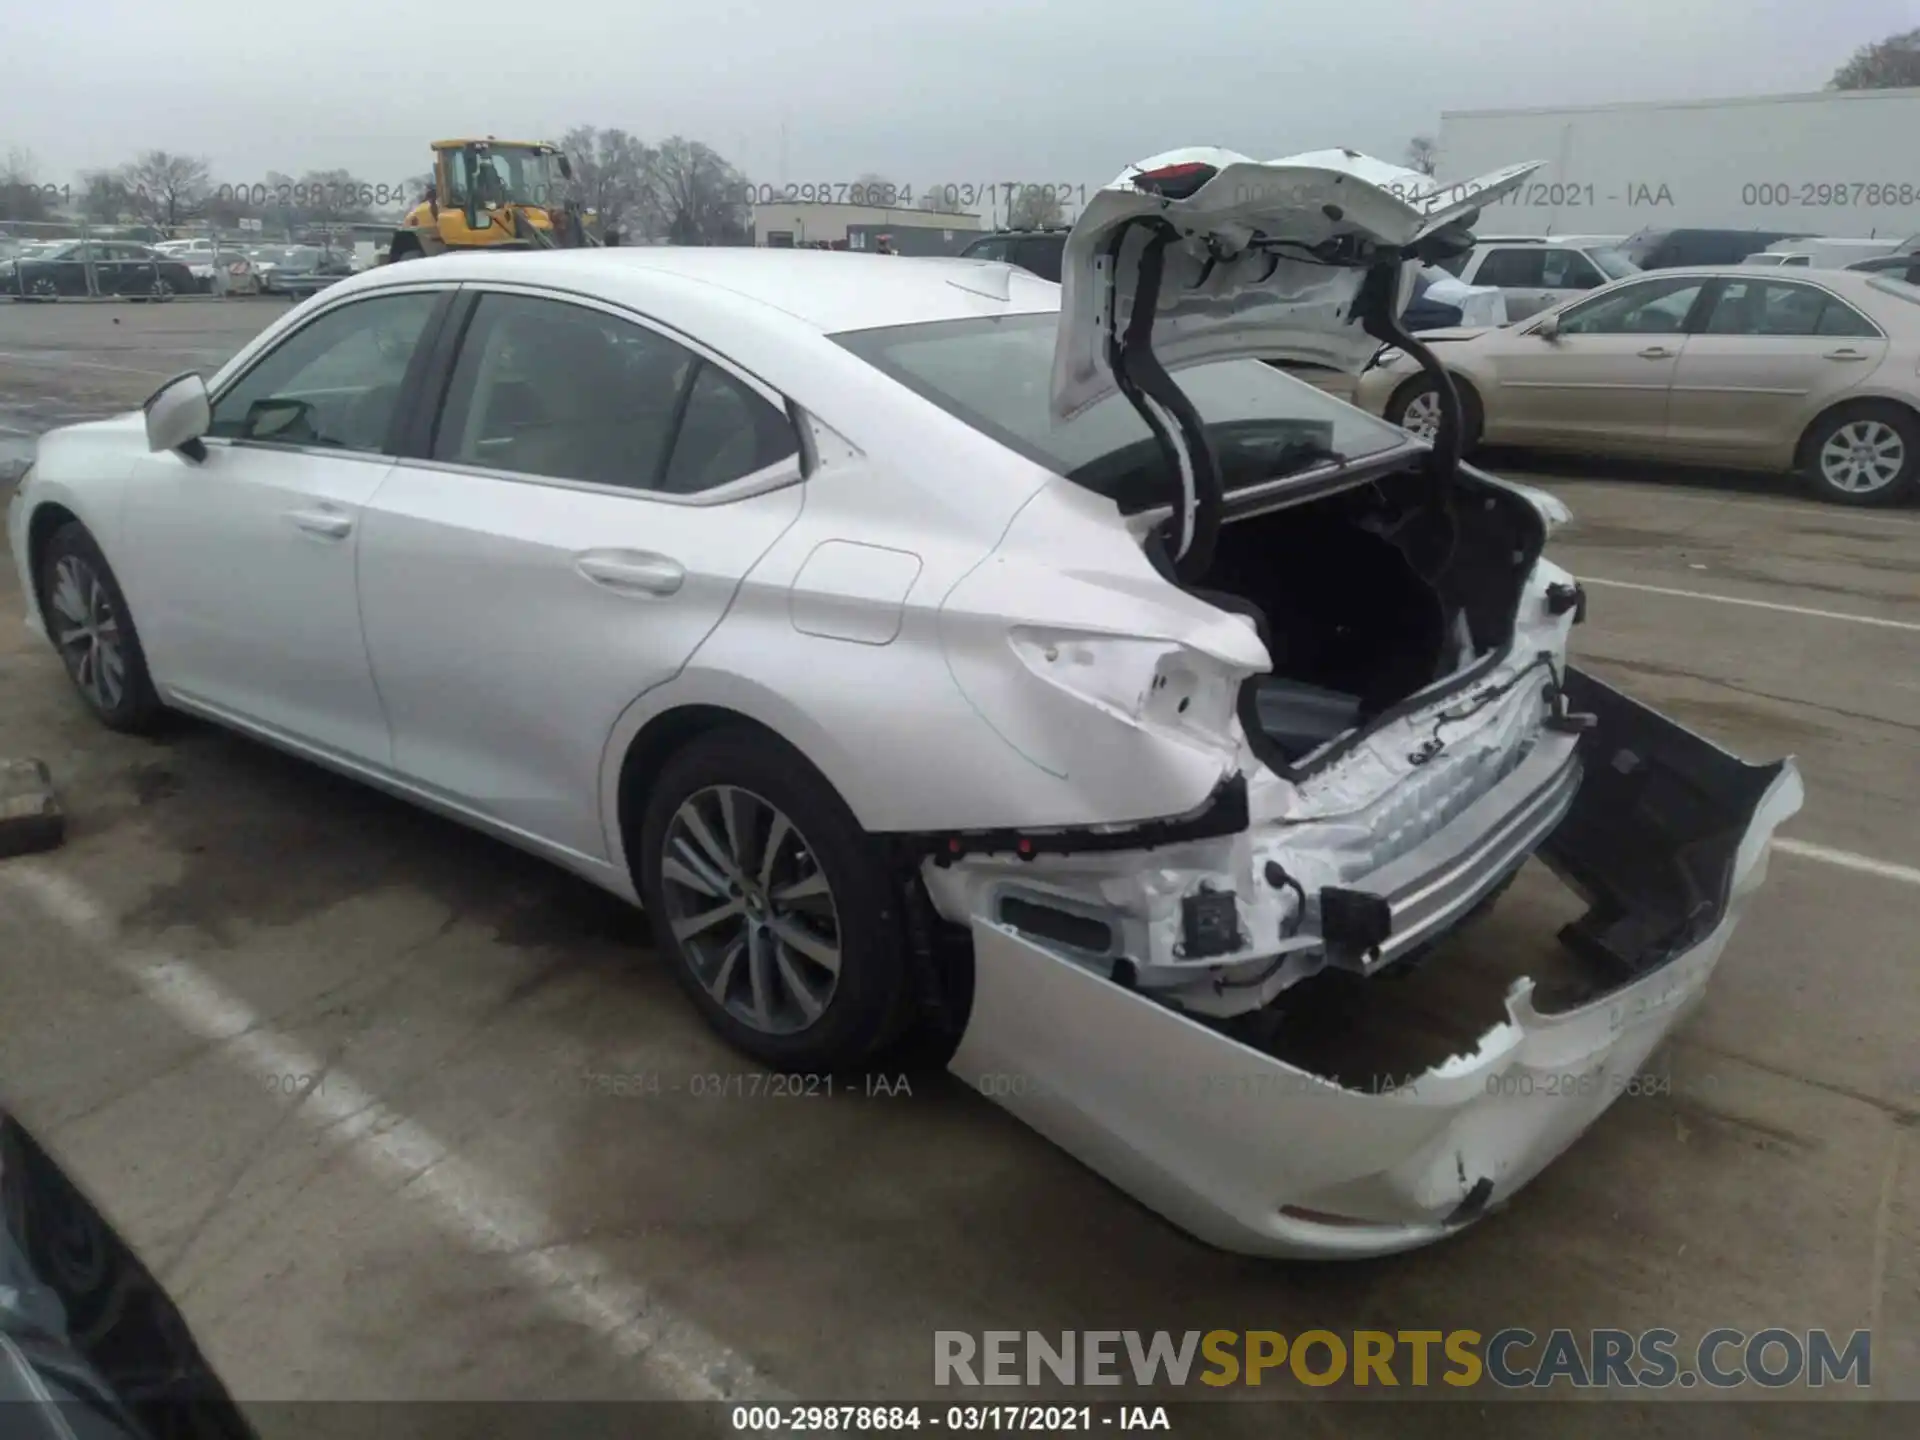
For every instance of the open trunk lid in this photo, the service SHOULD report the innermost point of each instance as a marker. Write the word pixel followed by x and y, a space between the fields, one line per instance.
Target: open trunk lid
pixel 1266 258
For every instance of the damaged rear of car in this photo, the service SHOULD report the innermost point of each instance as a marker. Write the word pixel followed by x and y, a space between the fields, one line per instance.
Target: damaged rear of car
pixel 1359 638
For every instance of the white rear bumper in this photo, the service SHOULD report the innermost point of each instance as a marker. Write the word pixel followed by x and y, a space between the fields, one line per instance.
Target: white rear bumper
pixel 1667 837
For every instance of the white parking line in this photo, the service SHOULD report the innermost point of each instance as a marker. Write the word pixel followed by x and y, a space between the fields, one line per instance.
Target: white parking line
pixel 1752 604
pixel 578 1284
pixel 65 364
pixel 1812 509
pixel 1847 860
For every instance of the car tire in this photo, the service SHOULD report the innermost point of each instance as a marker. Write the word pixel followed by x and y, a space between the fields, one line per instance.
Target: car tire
pixel 1867 453
pixel 819 919
pixel 91 626
pixel 44 288
pixel 1421 394
pixel 161 289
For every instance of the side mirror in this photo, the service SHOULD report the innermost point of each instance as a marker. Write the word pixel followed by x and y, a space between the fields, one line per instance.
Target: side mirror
pixel 178 414
pixel 566 168
pixel 1548 329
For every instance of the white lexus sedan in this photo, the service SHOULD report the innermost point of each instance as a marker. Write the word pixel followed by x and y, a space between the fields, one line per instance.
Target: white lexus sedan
pixel 926 644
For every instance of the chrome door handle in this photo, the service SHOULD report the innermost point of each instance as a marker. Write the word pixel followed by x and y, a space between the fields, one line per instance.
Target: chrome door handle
pixel 1843 355
pixel 328 524
pixel 633 573
pixel 1656 352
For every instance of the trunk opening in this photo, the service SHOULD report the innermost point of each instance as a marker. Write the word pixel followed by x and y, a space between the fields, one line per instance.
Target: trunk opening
pixel 1366 599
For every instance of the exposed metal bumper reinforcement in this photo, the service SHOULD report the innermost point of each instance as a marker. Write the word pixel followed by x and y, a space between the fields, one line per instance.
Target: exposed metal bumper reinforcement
pixel 1418 896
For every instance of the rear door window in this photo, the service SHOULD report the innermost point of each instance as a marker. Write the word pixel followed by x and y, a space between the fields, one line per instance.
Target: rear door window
pixel 1512 266
pixel 566 392
pixel 1568 270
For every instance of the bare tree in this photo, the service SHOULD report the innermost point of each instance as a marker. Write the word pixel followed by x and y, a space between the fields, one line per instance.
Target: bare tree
pixel 104 196
pixel 703 199
pixel 167 188
pixel 614 173
pixel 1888 64
pixel 873 188
pixel 1423 155
pixel 21 196
pixel 334 197
pixel 1034 207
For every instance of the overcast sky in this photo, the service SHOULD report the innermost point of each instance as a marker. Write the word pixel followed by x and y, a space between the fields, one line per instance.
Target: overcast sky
pixel 987 91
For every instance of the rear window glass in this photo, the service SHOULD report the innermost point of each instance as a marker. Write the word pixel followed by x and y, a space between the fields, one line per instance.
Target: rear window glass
pixel 997 374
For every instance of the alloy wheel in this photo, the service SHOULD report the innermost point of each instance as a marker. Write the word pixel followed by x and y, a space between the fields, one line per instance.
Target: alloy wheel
pixel 44 288
pixel 1422 415
pixel 162 289
pixel 752 910
pixel 1862 456
pixel 87 630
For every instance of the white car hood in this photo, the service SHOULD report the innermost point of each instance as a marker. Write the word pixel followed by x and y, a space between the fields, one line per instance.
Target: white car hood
pixel 1222 296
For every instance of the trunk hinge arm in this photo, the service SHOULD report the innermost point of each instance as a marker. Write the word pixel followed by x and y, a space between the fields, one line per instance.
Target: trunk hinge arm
pixel 1169 414
pixel 1378 313
pixel 1431 550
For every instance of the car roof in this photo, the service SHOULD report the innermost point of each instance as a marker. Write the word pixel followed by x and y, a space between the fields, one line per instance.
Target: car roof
pixel 826 290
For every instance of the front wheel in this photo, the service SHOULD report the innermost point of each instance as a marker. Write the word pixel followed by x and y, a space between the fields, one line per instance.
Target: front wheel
pixel 1865 454
pixel 774 909
pixel 89 623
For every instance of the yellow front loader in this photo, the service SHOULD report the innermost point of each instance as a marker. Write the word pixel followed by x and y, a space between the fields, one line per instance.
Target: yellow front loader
pixel 494 195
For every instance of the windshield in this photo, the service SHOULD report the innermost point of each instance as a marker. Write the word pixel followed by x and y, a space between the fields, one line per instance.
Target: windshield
pixel 507 174
pixel 1613 263
pixel 996 374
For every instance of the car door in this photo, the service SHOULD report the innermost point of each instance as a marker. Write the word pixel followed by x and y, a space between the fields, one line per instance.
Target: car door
pixel 1601 381
pixel 241 564
pixel 1770 354
pixel 591 497
pixel 127 270
pixel 70 269
pixel 1518 272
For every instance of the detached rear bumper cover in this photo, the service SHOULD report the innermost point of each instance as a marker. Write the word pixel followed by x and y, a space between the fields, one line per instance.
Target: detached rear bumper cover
pixel 1666 838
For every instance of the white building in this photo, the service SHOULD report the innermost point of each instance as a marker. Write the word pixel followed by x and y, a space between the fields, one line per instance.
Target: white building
pixel 795 223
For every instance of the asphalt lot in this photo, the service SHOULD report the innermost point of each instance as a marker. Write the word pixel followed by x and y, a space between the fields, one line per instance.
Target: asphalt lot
pixel 321 1056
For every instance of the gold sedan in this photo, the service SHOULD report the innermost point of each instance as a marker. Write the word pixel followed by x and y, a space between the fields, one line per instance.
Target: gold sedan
pixel 1715 365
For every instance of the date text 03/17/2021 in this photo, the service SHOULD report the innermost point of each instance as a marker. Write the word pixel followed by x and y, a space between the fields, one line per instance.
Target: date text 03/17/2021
pixel 881 194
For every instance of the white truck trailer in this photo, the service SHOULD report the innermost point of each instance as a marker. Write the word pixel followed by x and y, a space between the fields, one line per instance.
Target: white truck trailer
pixel 1837 163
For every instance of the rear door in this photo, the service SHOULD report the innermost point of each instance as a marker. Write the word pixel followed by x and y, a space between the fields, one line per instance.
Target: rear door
pixel 566 532
pixel 1602 381
pixel 1769 354
pixel 1518 272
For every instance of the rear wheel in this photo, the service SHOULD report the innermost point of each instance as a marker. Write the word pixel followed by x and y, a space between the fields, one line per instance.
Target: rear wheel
pixel 1415 408
pixel 776 912
pixel 1864 454
pixel 43 288
pixel 88 620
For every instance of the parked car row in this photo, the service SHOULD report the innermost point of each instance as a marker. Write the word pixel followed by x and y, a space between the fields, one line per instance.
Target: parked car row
pixel 58 269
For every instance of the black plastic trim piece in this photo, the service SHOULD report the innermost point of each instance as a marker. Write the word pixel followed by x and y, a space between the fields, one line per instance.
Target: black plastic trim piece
pixel 1225 813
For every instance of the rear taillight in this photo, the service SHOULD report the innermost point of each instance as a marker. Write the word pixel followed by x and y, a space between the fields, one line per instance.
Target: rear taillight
pixel 1175 182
